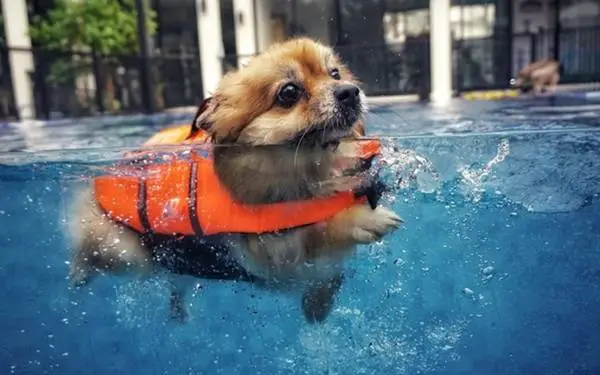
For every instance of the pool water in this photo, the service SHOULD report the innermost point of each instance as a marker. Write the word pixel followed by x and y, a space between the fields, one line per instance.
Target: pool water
pixel 496 271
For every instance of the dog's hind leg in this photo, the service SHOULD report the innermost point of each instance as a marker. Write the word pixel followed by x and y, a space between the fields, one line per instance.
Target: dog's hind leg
pixel 178 291
pixel 99 245
pixel 80 272
pixel 319 298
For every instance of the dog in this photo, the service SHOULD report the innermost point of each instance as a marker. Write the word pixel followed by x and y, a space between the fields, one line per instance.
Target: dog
pixel 277 127
pixel 540 76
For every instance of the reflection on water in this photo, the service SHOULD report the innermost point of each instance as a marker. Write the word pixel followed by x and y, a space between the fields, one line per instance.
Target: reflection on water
pixel 494 272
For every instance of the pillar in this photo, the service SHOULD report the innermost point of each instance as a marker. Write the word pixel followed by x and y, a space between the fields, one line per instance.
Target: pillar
pixel 441 52
pixel 145 59
pixel 16 28
pixel 210 39
pixel 252 28
pixel 556 30
pixel 263 26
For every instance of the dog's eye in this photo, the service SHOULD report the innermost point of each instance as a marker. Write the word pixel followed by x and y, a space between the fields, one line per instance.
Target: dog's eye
pixel 288 95
pixel 335 74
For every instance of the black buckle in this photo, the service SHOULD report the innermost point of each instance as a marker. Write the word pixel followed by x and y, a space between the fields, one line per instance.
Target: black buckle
pixel 366 163
pixel 373 188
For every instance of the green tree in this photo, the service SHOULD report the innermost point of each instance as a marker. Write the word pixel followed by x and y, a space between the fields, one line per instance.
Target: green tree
pixel 75 29
pixel 107 26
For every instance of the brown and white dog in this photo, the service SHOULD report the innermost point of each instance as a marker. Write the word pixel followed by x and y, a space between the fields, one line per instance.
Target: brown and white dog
pixel 542 75
pixel 298 99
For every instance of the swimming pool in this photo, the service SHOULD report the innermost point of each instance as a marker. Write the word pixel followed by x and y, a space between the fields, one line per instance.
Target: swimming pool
pixel 496 271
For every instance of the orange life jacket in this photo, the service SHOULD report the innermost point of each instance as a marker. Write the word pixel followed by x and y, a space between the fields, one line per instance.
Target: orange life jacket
pixel 177 135
pixel 184 196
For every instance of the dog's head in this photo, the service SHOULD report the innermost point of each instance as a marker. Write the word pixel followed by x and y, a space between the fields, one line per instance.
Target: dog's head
pixel 521 82
pixel 522 78
pixel 297 91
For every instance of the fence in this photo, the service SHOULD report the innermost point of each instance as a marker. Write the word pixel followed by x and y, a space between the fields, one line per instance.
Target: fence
pixel 478 63
pixel 489 63
pixel 75 84
pixel 387 69
pixel 481 63
pixel 383 69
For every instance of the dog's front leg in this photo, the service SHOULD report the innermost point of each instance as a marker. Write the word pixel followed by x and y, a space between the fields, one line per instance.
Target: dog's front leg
pixel 318 299
pixel 359 224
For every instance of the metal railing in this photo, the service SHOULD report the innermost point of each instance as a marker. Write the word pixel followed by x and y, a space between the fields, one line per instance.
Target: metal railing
pixel 387 69
pixel 381 68
pixel 580 54
pixel 75 84
pixel 480 63
pixel 489 63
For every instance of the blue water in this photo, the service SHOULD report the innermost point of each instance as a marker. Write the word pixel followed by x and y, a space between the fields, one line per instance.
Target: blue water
pixel 497 270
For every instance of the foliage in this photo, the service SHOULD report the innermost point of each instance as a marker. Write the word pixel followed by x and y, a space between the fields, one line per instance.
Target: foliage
pixel 73 29
pixel 107 26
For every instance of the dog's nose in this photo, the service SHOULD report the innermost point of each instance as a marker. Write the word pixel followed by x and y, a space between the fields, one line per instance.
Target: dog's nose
pixel 347 94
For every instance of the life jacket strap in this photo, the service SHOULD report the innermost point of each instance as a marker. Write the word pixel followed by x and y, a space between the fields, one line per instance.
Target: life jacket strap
pixel 192 206
pixel 142 205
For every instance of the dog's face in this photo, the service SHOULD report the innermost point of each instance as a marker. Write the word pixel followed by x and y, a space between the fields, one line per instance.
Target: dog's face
pixel 297 91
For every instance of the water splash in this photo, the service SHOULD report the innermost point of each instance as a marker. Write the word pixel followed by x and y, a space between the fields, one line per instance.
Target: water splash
pixel 409 169
pixel 474 178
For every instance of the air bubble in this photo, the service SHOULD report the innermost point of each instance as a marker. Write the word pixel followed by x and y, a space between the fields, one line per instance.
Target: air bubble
pixel 427 182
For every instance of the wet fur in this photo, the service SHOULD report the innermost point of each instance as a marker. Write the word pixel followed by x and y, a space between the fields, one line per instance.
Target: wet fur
pixel 263 154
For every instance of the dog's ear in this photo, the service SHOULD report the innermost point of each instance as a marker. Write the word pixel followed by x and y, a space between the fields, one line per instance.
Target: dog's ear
pixel 202 119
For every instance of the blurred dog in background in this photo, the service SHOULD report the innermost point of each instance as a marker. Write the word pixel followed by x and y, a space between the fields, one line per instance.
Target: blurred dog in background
pixel 540 76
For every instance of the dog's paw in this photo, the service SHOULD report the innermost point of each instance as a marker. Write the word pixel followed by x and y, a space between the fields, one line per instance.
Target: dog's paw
pixel 371 225
pixel 79 276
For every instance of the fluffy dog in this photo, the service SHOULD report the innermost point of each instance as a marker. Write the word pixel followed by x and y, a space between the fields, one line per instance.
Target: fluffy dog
pixel 276 125
pixel 539 76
